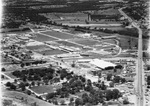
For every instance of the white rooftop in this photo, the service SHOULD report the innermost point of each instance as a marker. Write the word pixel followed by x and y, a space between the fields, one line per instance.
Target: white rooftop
pixel 101 63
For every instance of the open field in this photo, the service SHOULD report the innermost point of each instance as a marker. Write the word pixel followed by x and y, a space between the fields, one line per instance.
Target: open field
pixel 59 35
pixel 45 88
pixel 87 42
pixel 112 41
pixel 10 75
pixel 51 52
pixel 30 99
pixel 40 37
pixel 39 47
pixel 67 16
pixel 127 42
pixel 68 44
pixel 109 12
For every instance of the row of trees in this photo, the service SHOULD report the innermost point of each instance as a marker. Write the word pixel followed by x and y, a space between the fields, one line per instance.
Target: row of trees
pixel 116 79
pixel 32 63
pixel 129 32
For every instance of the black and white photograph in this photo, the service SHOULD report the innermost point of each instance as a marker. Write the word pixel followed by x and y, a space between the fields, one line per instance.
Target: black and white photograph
pixel 75 52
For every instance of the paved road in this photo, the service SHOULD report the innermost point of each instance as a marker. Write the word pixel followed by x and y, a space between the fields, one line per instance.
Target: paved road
pixel 139 87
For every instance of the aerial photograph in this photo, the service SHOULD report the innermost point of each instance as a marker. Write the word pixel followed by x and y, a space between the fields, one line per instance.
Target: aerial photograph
pixel 75 53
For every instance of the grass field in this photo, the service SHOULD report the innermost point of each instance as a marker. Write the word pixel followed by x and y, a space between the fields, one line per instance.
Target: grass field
pixel 84 66
pixel 45 88
pixel 59 35
pixel 51 52
pixel 30 99
pixel 69 44
pixel 37 47
pixel 41 38
pixel 10 75
pixel 112 41
pixel 87 42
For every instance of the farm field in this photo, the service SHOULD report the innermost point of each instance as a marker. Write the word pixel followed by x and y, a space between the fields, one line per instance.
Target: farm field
pixel 52 52
pixel 45 88
pixel 59 35
pixel 41 38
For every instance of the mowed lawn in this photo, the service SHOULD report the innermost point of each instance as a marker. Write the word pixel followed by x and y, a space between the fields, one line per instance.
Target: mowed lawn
pixel 41 38
pixel 45 88
pixel 51 52
pixel 65 43
pixel 59 34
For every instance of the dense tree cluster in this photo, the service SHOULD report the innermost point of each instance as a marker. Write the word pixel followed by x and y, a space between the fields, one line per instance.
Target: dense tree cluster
pixel 118 79
pixel 35 74
pixel 10 86
pixel 148 81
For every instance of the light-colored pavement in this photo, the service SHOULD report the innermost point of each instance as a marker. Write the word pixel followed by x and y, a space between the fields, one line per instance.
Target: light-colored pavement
pixel 139 81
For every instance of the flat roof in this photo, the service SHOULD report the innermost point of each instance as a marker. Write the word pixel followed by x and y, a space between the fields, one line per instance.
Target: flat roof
pixel 101 63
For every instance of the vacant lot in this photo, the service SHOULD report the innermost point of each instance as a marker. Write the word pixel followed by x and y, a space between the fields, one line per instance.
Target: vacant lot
pixel 45 88
pixel 59 35
pixel 51 52
pixel 41 38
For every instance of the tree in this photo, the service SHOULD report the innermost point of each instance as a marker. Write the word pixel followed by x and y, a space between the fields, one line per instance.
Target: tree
pixel 148 80
pixel 85 98
pixel 109 76
pixel 108 95
pixel 12 86
pixel 22 65
pixel 28 92
pixel 78 102
pixel 125 101
pixel 123 80
pixel 62 102
pixel 119 67
pixel 8 84
pixel 111 84
pixel 89 82
pixel 50 95
pixel 22 86
pixel 88 104
pixel 71 99
pixel 116 94
pixel 3 69
pixel 103 86
pixel 116 79
pixel 55 101
pixel 38 83
pixel 33 83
